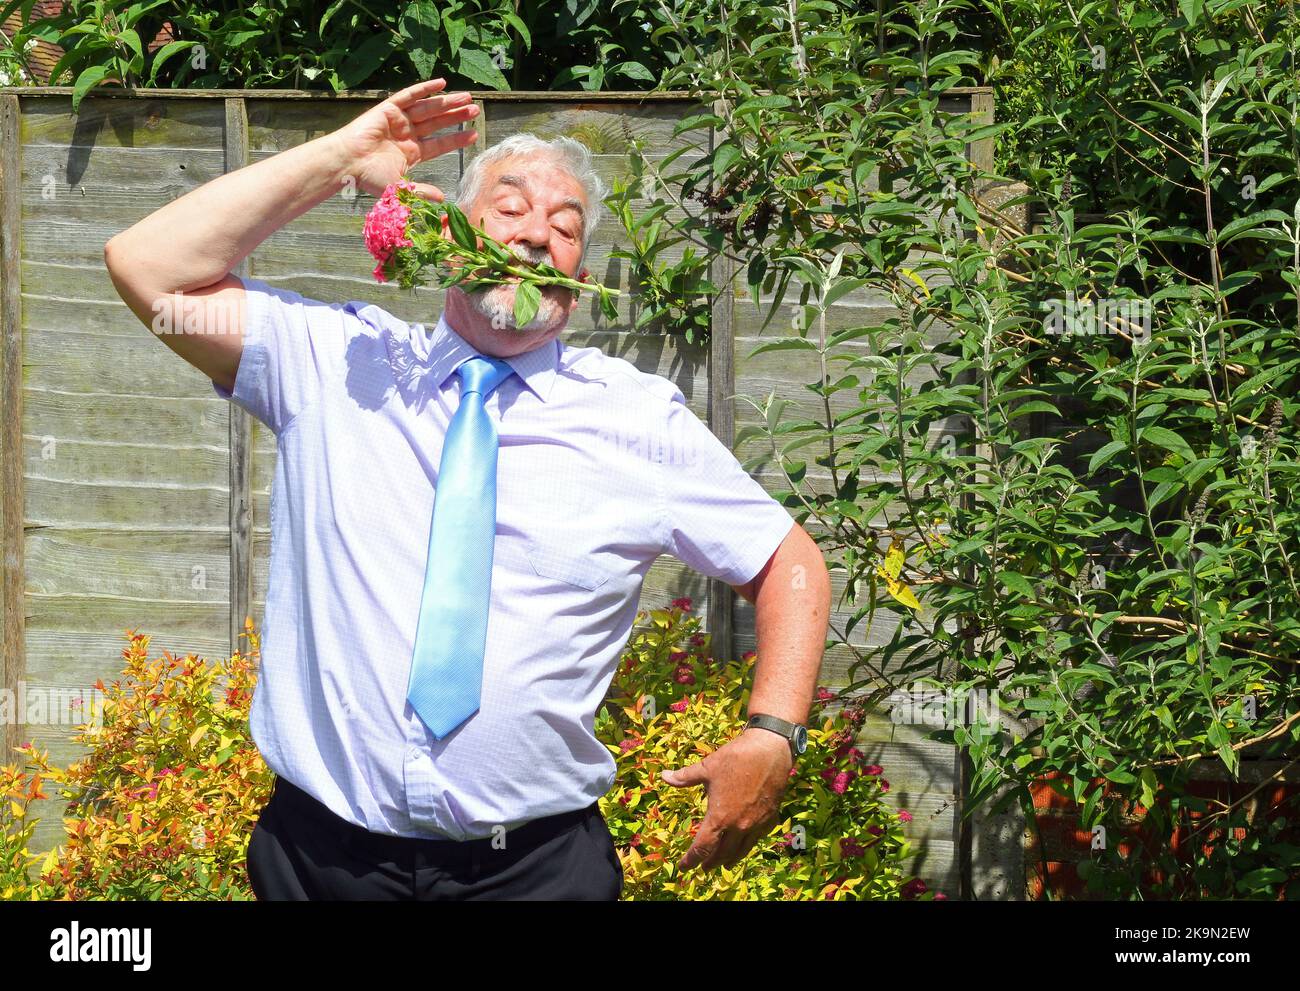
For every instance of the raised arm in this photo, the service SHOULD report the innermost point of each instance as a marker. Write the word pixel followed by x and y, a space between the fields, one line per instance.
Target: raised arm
pixel 173 267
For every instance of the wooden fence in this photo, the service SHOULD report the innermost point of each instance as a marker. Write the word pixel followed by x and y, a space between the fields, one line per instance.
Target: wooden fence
pixel 132 497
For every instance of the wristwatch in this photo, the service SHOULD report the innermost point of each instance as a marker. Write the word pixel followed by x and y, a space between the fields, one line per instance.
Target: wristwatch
pixel 796 734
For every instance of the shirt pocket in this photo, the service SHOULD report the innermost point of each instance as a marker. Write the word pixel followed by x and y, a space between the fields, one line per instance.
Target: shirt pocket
pixel 562 555
pixel 563 539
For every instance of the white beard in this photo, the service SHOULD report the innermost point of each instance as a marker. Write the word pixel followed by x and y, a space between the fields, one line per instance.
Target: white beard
pixel 497 303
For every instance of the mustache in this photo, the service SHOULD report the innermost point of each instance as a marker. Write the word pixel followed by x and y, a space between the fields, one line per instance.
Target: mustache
pixel 532 256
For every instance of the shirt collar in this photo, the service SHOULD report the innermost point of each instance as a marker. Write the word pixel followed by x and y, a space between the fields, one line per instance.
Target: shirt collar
pixel 446 350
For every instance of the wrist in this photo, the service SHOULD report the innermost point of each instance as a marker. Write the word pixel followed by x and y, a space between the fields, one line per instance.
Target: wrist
pixel 794 735
pixel 335 161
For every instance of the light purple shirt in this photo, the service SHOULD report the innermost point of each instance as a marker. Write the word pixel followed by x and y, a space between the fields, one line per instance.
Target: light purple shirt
pixel 601 469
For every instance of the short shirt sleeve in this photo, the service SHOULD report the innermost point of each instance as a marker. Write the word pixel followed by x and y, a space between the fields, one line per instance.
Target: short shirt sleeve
pixel 716 518
pixel 292 347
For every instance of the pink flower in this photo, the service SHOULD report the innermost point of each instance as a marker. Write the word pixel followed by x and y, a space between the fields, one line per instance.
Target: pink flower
pixel 626 744
pixel 914 887
pixel 748 655
pixel 884 786
pixel 385 226
pixel 851 848
pixel 872 769
pixel 939 896
pixel 683 676
pixel 876 830
pixel 904 815
pixel 698 639
pixel 824 694
pixel 683 603
pixel 677 655
pixel 841 782
pixel 680 706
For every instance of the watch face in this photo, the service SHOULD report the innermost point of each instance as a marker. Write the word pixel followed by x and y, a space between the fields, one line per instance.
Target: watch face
pixel 800 739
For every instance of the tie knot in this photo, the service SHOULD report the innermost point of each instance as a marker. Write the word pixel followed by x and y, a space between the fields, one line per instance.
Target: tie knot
pixel 482 374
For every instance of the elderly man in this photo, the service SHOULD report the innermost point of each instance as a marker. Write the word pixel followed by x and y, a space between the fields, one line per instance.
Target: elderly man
pixel 431 667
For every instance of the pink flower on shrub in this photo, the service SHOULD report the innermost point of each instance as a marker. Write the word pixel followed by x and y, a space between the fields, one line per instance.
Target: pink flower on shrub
pixel 873 769
pixel 697 640
pixel 627 744
pixel 683 676
pixel 939 896
pixel 904 815
pixel 824 694
pixel 385 226
pixel 680 706
pixel 678 655
pixel 684 603
pixel 748 656
pixel 841 782
pixel 876 830
pixel 851 848
pixel 914 887
pixel 884 786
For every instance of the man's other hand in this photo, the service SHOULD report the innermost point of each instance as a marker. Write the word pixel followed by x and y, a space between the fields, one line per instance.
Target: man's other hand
pixel 743 780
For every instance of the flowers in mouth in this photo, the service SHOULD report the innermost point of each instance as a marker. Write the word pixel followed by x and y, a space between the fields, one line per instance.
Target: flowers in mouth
pixel 403 232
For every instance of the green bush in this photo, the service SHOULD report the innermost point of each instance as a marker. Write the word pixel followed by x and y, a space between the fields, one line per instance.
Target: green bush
pixel 279 44
pixel 1053 462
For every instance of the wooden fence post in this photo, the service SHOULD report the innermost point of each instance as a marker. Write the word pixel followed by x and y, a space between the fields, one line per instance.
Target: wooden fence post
pixel 241 426
pixel 12 604
pixel 722 419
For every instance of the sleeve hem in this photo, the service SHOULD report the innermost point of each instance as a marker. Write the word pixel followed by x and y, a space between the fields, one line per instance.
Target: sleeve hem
pixel 253 346
pixel 769 548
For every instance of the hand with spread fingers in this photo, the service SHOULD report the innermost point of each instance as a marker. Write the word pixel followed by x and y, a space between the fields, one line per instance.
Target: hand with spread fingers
pixel 399 133
pixel 743 780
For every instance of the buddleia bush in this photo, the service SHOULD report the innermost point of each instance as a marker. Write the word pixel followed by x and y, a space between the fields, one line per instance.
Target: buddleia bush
pixel 1049 444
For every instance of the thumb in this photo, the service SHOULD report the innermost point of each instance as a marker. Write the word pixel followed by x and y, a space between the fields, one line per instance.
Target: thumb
pixel 691 774
pixel 427 191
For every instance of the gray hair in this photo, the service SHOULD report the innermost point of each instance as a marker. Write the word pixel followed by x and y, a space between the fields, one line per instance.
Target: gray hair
pixel 569 154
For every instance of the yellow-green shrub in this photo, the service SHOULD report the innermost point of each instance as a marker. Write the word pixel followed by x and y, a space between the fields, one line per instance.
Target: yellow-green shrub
pixel 162 805
pixel 671 704
pixel 166 798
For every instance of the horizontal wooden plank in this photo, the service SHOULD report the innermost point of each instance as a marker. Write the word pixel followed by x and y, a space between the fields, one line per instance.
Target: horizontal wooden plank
pixel 104 123
pixel 114 564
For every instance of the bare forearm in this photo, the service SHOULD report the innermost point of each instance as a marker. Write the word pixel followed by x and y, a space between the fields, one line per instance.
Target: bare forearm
pixel 198 238
pixel 792 610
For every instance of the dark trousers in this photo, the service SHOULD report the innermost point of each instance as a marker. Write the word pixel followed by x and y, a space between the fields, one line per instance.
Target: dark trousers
pixel 301 851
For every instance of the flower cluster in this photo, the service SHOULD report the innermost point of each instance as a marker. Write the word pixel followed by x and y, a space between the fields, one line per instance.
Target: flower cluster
pixel 385 227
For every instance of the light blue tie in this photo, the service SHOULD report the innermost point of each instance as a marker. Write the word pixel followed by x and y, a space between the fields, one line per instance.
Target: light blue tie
pixel 447 664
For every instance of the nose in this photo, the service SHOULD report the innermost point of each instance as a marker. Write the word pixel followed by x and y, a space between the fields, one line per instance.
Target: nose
pixel 535 230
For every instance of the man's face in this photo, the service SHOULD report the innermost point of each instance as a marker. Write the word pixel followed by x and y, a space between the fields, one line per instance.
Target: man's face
pixel 535 208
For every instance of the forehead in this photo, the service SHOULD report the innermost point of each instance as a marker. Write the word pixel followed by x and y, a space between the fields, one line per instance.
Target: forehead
pixel 539 178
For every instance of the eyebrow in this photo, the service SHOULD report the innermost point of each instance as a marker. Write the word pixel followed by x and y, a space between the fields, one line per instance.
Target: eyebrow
pixel 521 183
